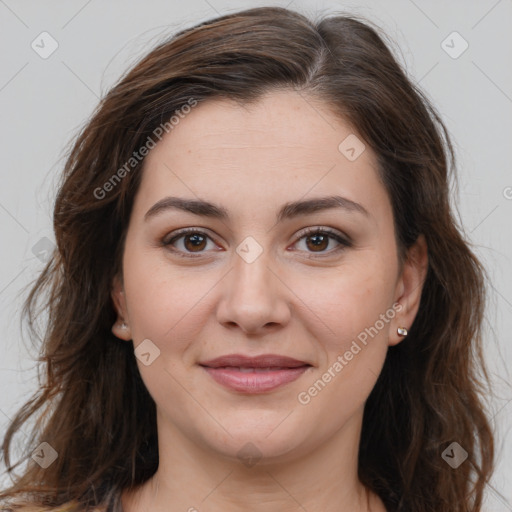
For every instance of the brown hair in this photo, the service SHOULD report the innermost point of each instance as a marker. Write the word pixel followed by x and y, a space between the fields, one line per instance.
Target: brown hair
pixel 93 407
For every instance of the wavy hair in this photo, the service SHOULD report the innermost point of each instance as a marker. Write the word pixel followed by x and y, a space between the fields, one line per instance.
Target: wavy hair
pixel 92 406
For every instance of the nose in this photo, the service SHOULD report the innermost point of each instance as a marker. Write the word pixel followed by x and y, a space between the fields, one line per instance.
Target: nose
pixel 253 297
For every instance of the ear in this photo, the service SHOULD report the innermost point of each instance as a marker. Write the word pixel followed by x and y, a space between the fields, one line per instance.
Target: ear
pixel 409 288
pixel 121 327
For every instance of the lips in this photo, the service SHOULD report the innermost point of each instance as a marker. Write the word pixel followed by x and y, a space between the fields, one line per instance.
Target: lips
pixel 265 361
pixel 254 374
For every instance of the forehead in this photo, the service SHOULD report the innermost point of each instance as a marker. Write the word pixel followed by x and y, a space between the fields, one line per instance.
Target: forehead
pixel 280 148
pixel 279 120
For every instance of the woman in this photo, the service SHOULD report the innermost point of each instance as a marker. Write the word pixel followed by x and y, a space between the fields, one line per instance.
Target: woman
pixel 260 298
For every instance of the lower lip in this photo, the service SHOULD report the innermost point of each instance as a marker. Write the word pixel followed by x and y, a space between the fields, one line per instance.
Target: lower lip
pixel 252 382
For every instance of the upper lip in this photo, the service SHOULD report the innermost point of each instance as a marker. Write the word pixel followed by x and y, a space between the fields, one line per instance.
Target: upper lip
pixel 261 361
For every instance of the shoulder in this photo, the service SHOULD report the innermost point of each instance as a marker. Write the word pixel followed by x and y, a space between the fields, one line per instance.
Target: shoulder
pixel 26 507
pixel 16 507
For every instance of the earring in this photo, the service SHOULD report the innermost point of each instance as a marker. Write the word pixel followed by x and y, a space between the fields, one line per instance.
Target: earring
pixel 402 331
pixel 124 326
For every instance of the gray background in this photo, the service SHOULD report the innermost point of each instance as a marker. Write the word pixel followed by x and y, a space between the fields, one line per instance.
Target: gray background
pixel 44 102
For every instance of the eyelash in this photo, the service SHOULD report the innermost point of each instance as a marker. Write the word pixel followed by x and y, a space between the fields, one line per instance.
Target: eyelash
pixel 344 243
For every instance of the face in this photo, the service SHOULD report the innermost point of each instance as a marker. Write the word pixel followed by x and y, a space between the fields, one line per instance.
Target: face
pixel 263 269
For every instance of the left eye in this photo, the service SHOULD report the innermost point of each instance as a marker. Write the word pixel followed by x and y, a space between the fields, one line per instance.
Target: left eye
pixel 194 242
pixel 317 240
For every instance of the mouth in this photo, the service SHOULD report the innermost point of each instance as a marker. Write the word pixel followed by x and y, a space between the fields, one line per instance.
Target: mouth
pixel 254 374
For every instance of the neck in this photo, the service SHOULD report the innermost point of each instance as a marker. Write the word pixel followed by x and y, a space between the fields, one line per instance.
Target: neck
pixel 193 478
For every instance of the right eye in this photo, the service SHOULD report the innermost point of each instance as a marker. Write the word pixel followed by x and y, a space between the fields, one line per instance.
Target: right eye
pixel 193 242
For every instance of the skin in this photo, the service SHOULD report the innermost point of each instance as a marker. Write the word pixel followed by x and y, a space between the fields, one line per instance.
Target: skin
pixel 295 299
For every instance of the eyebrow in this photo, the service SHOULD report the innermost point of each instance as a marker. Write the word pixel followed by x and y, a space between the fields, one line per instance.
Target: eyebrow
pixel 287 211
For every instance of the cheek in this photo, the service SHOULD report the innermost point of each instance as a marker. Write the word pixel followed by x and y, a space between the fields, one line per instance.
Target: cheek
pixel 166 304
pixel 347 300
pixel 355 353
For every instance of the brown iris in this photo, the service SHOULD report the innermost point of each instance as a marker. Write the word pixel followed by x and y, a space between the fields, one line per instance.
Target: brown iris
pixel 320 241
pixel 197 241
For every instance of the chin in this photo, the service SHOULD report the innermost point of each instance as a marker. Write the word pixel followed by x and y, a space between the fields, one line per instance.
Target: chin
pixel 267 443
